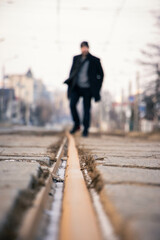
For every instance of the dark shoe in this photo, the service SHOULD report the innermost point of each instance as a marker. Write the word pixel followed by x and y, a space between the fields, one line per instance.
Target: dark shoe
pixel 85 133
pixel 74 129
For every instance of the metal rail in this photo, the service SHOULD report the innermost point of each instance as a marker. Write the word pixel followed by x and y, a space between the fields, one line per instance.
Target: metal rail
pixel 33 215
pixel 78 220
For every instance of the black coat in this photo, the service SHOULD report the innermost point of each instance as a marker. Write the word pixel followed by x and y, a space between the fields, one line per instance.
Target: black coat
pixel 95 75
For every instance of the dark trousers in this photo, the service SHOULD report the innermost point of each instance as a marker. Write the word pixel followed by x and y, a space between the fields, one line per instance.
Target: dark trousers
pixel 85 93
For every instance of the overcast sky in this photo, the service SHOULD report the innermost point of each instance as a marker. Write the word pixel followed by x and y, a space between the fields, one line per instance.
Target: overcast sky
pixel 46 34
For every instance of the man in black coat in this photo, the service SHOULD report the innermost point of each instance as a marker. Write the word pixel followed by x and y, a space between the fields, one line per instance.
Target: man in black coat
pixel 85 80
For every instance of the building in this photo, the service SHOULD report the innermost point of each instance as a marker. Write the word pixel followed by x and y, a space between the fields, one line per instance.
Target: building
pixel 23 85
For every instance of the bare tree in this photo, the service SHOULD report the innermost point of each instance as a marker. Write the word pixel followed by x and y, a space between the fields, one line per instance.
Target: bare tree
pixel 151 62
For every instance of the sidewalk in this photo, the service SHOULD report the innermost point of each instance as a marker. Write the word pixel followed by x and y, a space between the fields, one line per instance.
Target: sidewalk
pixel 130 171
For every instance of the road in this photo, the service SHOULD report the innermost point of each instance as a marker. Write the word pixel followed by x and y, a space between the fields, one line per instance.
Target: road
pixel 44 181
pixel 22 158
pixel 129 184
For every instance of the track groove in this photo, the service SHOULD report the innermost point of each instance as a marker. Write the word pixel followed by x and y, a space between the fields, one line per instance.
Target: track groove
pixel 78 219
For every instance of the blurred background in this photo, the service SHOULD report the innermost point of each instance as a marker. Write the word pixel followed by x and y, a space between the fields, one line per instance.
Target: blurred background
pixel 38 39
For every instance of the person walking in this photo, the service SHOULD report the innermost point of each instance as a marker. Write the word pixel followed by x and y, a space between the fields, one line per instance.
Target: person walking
pixel 85 80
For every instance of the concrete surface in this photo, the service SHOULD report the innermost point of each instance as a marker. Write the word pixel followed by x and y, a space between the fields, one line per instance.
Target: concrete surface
pixel 17 145
pixel 21 156
pixel 130 169
pixel 14 177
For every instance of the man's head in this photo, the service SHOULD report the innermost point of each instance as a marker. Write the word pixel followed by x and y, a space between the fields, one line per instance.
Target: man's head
pixel 84 48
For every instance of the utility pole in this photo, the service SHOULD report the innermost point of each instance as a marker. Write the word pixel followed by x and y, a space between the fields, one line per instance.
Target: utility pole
pixel 130 105
pixel 122 116
pixel 136 105
pixel 3 94
pixel 19 99
pixel 157 102
pixel 100 116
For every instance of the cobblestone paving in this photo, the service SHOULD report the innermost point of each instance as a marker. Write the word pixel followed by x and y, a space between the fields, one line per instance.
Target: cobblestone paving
pixel 130 169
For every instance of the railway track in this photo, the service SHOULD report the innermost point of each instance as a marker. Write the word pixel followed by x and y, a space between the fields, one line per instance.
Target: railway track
pixel 78 219
pixel 31 221
pixel 64 208
pixel 56 186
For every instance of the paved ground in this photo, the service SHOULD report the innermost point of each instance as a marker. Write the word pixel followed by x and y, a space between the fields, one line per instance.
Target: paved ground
pixel 21 156
pixel 130 169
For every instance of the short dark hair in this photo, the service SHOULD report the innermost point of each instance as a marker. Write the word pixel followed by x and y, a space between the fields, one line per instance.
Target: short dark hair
pixel 84 43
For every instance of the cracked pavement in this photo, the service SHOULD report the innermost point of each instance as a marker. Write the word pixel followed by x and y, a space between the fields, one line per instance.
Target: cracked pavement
pixel 22 157
pixel 130 169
